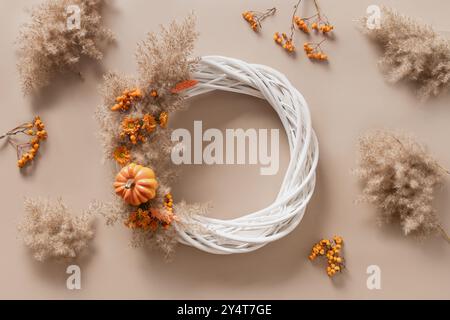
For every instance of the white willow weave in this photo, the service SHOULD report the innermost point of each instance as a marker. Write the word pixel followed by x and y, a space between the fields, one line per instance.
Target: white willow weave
pixel 254 230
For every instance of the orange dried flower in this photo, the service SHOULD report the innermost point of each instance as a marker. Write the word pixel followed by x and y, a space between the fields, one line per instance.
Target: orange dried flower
pixel 163 119
pixel 184 85
pixel 130 125
pixel 154 93
pixel 131 128
pixel 148 123
pixel 122 155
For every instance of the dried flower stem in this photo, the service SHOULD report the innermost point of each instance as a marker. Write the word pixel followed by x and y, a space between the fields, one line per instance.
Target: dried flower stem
pixel 317 8
pixel 17 130
pixel 293 19
pixel 26 151
pixel 260 16
pixel 444 233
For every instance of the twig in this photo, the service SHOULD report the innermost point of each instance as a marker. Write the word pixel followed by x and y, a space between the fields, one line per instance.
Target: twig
pixel 293 19
pixel 317 8
pixel 444 234
pixel 268 13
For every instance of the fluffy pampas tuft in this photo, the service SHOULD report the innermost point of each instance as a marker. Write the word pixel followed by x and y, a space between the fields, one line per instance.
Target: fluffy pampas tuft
pixel 51 232
pixel 413 52
pixel 48 44
pixel 400 178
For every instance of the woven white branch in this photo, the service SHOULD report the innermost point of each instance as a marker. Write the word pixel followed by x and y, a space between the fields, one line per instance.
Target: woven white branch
pixel 253 231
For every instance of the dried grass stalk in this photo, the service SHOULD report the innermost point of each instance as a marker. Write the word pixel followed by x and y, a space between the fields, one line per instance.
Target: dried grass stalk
pixel 413 51
pixel 47 46
pixel 51 232
pixel 400 178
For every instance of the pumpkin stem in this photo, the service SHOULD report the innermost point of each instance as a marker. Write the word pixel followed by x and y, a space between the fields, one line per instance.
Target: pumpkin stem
pixel 129 184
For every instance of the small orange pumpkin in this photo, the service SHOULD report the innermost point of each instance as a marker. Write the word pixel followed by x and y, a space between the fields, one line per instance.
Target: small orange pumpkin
pixel 136 184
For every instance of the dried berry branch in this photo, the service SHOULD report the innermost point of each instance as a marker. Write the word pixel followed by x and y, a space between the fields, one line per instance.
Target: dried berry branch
pixel 318 22
pixel 47 46
pixel 400 178
pixel 26 151
pixel 331 249
pixel 413 52
pixel 254 18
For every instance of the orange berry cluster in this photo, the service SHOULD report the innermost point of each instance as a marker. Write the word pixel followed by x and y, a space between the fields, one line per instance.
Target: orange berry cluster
pixel 125 101
pixel 332 250
pixel 154 93
pixel 183 85
pixel 168 202
pixel 301 24
pixel 325 28
pixel 284 41
pixel 314 52
pixel 37 130
pixel 250 18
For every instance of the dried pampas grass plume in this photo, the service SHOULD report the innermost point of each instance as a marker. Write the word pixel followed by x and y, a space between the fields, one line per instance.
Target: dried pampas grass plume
pixel 51 232
pixel 400 178
pixel 413 52
pixel 47 46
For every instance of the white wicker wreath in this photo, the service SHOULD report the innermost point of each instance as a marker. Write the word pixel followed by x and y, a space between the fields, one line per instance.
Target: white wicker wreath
pixel 253 231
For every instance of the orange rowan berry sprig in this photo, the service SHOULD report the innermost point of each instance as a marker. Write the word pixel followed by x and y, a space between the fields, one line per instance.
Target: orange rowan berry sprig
pixel 125 101
pixel 27 151
pixel 254 18
pixel 317 22
pixel 282 39
pixel 331 249
pixel 163 119
pixel 314 51
pixel 137 129
pixel 141 219
pixel 154 93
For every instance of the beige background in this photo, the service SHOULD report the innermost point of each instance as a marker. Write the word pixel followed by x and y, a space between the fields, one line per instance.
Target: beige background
pixel 346 97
